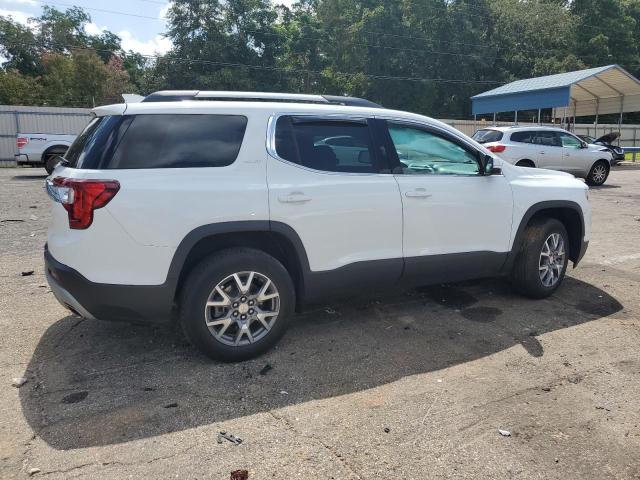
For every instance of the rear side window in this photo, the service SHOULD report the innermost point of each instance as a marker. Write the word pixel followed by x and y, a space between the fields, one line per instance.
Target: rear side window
pixel 180 141
pixel 96 144
pixel 522 137
pixel 327 145
pixel 487 136
pixel 547 138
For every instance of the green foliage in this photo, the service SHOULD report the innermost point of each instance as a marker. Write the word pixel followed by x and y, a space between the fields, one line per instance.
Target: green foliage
pixel 427 56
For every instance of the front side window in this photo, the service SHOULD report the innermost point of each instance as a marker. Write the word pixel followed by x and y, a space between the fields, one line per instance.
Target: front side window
pixel 569 141
pixel 326 144
pixel 423 152
pixel 180 141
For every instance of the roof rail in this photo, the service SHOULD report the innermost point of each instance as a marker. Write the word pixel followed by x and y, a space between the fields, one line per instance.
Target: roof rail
pixel 179 95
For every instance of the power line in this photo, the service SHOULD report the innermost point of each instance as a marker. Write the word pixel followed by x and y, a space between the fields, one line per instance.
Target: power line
pixel 170 58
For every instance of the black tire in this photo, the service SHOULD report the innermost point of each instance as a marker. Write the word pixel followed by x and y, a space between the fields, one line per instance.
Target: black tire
pixel 50 159
pixel 594 179
pixel 526 269
pixel 525 163
pixel 202 281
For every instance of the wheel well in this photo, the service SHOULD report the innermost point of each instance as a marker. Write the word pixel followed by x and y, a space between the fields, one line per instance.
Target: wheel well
pixel 571 221
pixel 57 148
pixel 526 160
pixel 603 160
pixel 272 243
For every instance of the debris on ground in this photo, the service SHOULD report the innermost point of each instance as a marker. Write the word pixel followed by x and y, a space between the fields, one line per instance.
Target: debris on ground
pixel 27 273
pixel 171 405
pixel 18 381
pixel 230 437
pixel 33 471
pixel 265 369
pixel 240 475
pixel 574 379
pixel 330 311
pixel 387 429
pixel 546 389
pixel 11 220
pixel 504 433
pixel 33 217
pixel 284 392
pixel 75 397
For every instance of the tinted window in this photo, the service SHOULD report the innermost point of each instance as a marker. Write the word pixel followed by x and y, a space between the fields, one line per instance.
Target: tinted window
pixel 95 145
pixel 180 141
pixel 522 137
pixel 423 152
pixel 486 136
pixel 547 138
pixel 329 145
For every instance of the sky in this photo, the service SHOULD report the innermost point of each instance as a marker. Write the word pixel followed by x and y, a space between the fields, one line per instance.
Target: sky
pixel 139 23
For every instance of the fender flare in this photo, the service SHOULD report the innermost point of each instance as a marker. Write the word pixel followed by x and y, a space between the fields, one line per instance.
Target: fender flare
pixel 204 231
pixel 528 215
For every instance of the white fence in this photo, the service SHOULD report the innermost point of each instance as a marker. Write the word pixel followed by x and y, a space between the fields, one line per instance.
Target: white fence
pixel 19 119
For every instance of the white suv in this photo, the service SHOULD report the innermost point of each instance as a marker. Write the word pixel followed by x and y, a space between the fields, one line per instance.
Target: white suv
pixel 228 215
pixel 548 147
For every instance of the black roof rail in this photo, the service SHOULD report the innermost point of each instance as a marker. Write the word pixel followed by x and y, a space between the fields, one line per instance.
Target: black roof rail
pixel 179 95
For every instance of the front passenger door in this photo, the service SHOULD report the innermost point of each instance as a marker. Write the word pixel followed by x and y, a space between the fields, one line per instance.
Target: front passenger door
pixel 572 154
pixel 456 221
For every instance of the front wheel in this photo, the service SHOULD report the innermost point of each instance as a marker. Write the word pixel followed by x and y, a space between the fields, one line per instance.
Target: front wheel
pixel 542 260
pixel 598 173
pixel 236 304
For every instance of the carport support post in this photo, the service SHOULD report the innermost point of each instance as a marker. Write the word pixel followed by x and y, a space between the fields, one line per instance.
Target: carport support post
pixel 595 126
pixel 539 117
pixel 494 118
pixel 620 119
pixel 516 119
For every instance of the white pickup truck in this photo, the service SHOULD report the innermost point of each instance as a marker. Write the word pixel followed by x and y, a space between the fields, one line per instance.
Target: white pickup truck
pixel 42 149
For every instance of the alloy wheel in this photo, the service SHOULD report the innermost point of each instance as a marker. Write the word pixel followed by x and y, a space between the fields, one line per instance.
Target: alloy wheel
pixel 599 174
pixel 242 308
pixel 552 259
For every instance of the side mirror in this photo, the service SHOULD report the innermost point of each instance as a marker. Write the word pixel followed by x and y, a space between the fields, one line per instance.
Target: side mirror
pixel 584 145
pixel 486 164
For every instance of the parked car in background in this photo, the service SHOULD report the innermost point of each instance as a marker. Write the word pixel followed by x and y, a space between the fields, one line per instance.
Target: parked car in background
pixel 617 153
pixel 548 147
pixel 42 149
pixel 232 214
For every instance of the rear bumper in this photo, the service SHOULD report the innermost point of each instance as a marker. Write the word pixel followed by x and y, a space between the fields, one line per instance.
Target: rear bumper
pixel 130 303
pixel 24 159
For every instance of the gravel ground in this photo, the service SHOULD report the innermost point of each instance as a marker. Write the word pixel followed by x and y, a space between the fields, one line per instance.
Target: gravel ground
pixel 412 384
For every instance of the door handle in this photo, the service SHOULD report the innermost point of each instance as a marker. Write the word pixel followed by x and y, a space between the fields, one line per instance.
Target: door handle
pixel 417 193
pixel 541 153
pixel 294 197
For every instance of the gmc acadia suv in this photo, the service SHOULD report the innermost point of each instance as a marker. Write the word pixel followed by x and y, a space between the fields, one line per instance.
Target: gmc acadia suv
pixel 227 211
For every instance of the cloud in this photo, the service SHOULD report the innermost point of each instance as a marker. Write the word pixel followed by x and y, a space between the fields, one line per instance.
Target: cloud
pixel 22 2
pixel 157 45
pixel 17 15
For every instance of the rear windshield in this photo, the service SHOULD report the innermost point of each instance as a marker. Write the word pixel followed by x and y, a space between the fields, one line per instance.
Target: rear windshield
pixel 487 136
pixel 158 141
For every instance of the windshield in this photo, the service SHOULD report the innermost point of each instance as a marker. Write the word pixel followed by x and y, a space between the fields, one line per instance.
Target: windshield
pixel 487 136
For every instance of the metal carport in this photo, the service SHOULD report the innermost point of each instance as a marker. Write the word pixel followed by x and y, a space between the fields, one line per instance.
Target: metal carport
pixel 590 92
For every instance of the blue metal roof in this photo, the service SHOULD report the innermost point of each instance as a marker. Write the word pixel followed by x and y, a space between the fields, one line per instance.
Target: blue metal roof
pixel 550 91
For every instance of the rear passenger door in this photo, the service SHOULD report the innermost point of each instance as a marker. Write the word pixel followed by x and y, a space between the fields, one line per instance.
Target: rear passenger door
pixel 328 181
pixel 549 148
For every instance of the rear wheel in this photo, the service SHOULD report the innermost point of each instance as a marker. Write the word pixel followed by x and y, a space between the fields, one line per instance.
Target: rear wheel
pixel 236 304
pixel 525 163
pixel 542 261
pixel 598 173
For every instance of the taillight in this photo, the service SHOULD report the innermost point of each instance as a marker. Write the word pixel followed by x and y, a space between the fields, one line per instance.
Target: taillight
pixel 80 197
pixel 21 142
pixel 497 148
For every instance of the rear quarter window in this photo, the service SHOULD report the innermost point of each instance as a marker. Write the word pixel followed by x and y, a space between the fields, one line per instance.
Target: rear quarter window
pixel 180 141
pixel 522 137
